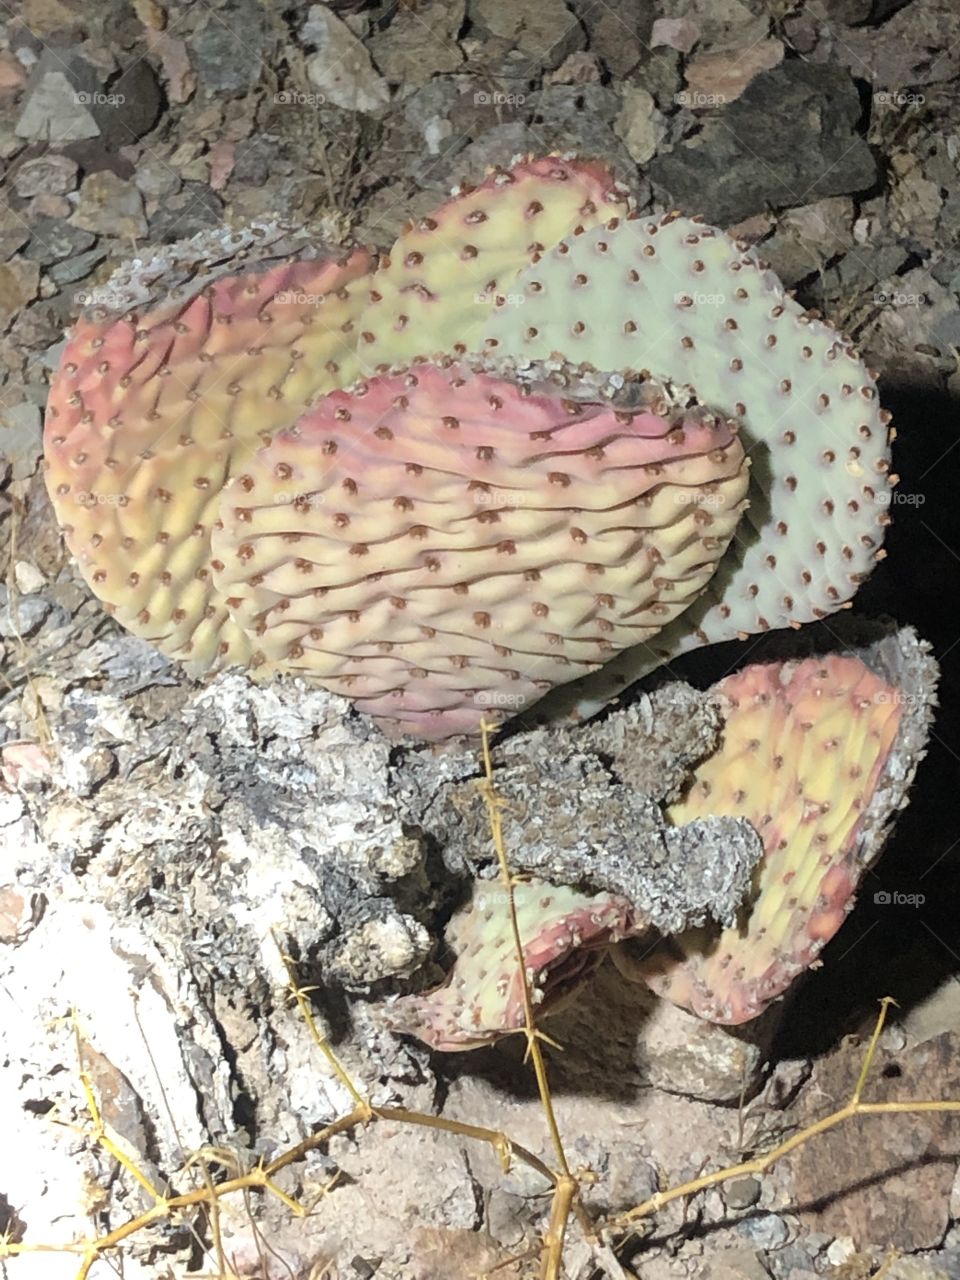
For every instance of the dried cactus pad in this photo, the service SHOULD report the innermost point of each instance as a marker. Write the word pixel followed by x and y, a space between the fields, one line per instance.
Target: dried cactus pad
pixel 685 301
pixel 434 293
pixel 446 544
pixel 804 749
pixel 565 934
pixel 149 415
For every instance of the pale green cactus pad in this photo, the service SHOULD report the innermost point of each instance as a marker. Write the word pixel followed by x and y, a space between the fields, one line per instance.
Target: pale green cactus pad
pixel 682 300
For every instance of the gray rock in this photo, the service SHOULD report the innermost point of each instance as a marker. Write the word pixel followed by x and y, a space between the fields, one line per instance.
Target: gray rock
pixel 196 208
pixel 545 30
pixel 156 179
pixel 741 1193
pixel 136 107
pixel 54 240
pixel 261 157
pixel 341 68
pixel 791 1263
pixel 725 24
pixel 921 1269
pixel 110 206
pixel 563 106
pixel 20 437
pixel 765 1230
pixel 77 267
pixel 734 1264
pixel 680 1053
pixel 809 237
pixel 815 1242
pixel 226 52
pixel 14 233
pixel 846 12
pixel 21 615
pixel 49 174
pixel 59 99
pixel 946 332
pixel 420 44
pixel 580 118
pixel 863 267
pixel 619 31
pixel 432 101
pixel 789 139
pixel 498 146
pixel 916 46
pixel 661 74
pixel 639 125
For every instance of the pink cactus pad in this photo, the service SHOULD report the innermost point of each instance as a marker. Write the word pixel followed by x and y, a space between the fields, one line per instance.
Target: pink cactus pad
pixel 804 747
pixel 443 544
pixel 565 935
pixel 147 417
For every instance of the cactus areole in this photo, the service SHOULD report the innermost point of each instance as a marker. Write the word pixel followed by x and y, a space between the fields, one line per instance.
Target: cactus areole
pixel 544 442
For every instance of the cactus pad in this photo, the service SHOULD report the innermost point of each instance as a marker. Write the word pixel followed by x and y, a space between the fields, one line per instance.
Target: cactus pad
pixel 444 544
pixel 565 934
pixel 434 292
pixel 682 300
pixel 804 748
pixel 147 418
pixel 158 406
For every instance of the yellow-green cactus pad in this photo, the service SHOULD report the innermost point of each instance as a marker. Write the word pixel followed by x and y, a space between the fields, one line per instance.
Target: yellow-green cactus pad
pixel 434 292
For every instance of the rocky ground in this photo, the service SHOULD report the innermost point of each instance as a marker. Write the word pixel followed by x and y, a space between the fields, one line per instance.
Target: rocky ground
pixel 151 847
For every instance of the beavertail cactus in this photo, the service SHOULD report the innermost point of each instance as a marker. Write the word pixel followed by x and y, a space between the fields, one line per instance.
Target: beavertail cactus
pixel 818 755
pixel 565 934
pixel 556 527
pixel 680 299
pixel 433 293
pixel 432 539
pixel 149 416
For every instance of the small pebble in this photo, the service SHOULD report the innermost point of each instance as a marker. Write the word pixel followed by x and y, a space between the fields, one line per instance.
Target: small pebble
pixel 742 1193
pixel 842 1249
pixel 28 577
pixel 51 174
pixel 766 1230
